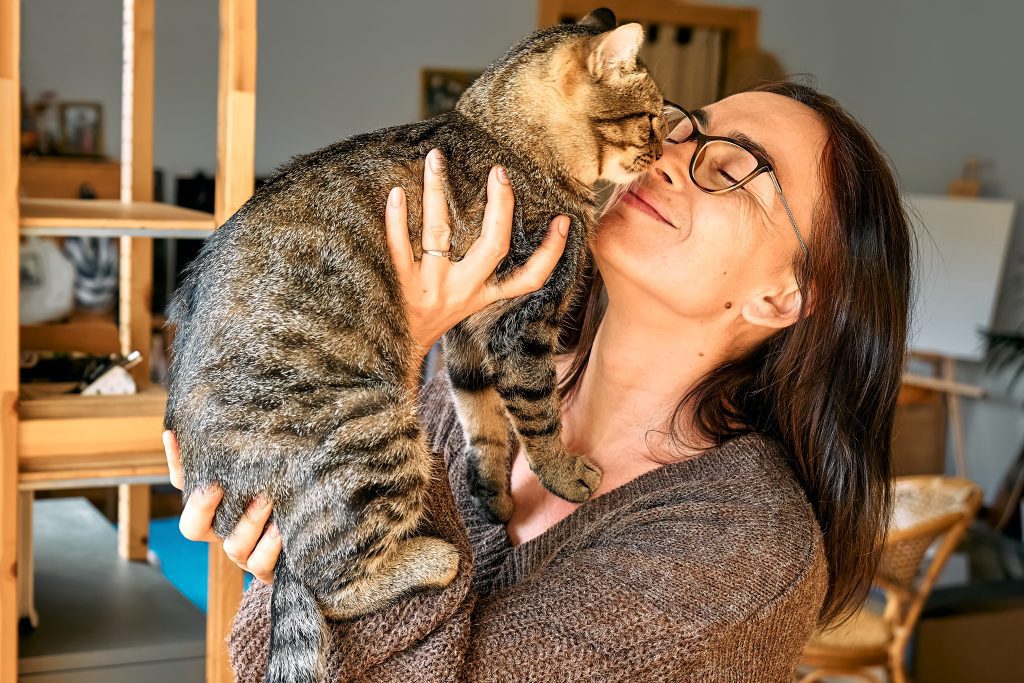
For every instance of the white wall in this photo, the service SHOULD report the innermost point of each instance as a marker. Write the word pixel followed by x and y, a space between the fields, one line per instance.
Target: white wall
pixel 935 81
pixel 325 70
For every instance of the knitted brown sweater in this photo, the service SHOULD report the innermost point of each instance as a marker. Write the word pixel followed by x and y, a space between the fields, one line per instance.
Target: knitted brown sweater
pixel 710 569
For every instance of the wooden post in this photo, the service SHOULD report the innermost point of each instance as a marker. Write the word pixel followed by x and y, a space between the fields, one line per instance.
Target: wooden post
pixel 956 422
pixel 133 521
pixel 10 114
pixel 236 133
pixel 236 107
pixel 136 266
pixel 137 180
pixel 26 561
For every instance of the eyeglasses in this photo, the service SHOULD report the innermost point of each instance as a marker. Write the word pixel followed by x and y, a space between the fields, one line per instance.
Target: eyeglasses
pixel 719 164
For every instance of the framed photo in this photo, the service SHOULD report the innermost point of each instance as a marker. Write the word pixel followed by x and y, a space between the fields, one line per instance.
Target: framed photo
pixel 440 89
pixel 81 129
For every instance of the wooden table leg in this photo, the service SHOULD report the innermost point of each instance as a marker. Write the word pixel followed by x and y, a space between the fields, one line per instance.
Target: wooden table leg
pixel 133 521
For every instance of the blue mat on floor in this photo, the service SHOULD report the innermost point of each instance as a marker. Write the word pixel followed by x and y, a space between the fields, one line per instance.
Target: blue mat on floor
pixel 183 562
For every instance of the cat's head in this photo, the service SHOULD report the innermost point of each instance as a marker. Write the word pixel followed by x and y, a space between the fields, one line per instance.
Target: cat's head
pixel 575 96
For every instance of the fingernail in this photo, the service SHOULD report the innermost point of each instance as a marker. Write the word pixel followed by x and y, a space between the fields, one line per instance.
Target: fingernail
pixel 502 175
pixel 563 225
pixel 260 502
pixel 434 160
pixel 273 531
pixel 395 197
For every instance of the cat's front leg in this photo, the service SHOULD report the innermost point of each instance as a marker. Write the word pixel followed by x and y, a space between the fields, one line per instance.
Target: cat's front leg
pixel 523 353
pixel 481 413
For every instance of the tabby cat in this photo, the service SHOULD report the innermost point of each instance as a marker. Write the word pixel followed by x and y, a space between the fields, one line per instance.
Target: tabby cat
pixel 293 360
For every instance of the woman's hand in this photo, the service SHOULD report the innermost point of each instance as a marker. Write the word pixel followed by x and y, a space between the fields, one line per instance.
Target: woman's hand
pixel 440 294
pixel 248 546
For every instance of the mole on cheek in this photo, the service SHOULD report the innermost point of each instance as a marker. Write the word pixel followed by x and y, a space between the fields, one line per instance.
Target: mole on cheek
pixel 728 304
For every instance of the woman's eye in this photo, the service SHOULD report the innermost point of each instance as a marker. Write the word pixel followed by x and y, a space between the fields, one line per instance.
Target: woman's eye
pixel 728 178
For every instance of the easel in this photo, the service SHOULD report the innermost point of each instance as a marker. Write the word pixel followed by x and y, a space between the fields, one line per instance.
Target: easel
pixel 944 382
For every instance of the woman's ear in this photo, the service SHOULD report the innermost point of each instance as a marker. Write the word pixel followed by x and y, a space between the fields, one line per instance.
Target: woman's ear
pixel 774 310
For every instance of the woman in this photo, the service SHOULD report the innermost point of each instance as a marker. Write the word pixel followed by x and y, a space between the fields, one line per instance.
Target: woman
pixel 735 379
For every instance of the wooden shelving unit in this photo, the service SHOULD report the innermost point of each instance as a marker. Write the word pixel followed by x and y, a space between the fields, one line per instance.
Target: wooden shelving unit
pixel 49 440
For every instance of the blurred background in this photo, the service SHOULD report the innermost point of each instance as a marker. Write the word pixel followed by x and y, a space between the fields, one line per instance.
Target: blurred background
pixel 937 82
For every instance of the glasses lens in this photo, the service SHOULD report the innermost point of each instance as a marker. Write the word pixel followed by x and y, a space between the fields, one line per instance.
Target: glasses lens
pixel 722 165
pixel 678 127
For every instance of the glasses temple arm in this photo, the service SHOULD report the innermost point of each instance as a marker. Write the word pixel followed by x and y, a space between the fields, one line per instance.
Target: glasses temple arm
pixel 789 212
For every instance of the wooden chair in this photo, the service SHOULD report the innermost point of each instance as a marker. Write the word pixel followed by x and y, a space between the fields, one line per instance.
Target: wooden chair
pixel 927 509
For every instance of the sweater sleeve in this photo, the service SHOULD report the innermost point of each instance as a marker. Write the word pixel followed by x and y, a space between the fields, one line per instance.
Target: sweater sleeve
pixel 640 597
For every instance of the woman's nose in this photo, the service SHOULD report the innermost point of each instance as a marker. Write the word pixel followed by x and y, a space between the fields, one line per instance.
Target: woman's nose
pixel 674 165
pixel 669 165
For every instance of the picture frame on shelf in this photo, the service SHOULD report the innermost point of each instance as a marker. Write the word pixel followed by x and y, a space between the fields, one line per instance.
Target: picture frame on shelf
pixel 440 89
pixel 81 129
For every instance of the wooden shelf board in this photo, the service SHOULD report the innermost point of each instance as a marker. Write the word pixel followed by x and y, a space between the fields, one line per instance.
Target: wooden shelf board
pixel 104 217
pixel 92 430
pixel 88 336
pixel 44 402
pixel 61 472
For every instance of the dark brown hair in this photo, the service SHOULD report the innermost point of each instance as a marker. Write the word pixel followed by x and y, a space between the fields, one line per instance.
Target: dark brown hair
pixel 825 388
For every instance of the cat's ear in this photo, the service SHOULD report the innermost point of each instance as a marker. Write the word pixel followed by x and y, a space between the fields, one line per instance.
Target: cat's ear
pixel 616 50
pixel 602 18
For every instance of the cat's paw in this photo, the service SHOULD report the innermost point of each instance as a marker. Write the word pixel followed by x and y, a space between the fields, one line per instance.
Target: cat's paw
pixel 492 498
pixel 572 477
pixel 437 562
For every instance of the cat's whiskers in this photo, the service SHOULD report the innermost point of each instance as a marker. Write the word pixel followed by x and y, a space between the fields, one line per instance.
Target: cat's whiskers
pixel 619 191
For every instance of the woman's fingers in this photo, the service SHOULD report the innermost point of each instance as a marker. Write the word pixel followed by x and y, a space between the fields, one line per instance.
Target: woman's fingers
pixel 486 252
pixel 536 270
pixel 196 522
pixel 264 556
pixel 173 455
pixel 396 222
pixel 240 544
pixel 436 231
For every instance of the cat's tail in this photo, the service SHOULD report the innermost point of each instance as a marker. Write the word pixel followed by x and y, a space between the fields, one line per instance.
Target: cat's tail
pixel 297 631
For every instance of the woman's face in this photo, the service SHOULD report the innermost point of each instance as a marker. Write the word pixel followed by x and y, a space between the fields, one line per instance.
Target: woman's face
pixel 678 251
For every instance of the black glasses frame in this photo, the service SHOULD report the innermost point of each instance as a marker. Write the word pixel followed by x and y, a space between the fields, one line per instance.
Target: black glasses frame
pixel 763 166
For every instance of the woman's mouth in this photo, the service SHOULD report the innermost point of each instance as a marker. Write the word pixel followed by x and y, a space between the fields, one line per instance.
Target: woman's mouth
pixel 637 201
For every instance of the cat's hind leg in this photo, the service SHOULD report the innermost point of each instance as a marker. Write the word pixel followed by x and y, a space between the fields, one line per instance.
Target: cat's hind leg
pixel 481 413
pixel 353 530
pixel 411 564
